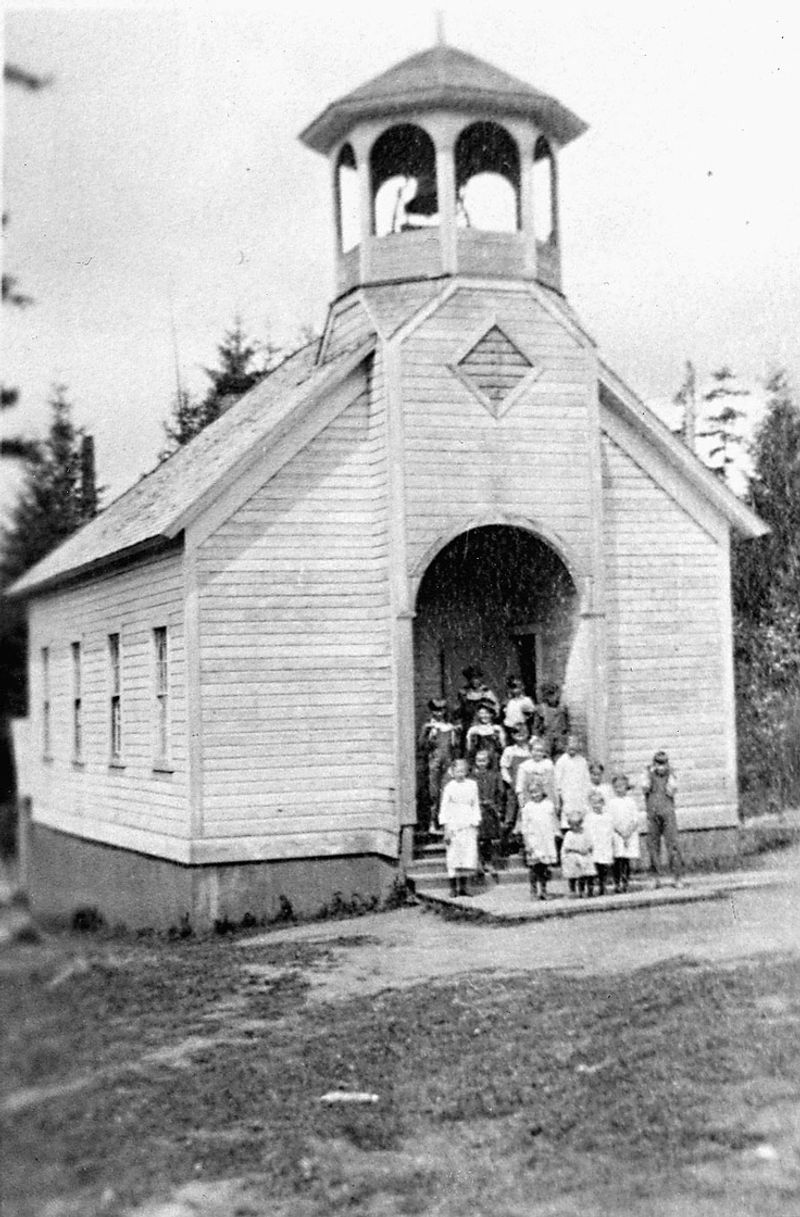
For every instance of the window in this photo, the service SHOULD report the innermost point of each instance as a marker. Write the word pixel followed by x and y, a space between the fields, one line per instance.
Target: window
pixel 77 737
pixel 115 686
pixel 161 685
pixel 487 179
pixel 347 199
pixel 47 742
pixel 403 172
pixel 544 191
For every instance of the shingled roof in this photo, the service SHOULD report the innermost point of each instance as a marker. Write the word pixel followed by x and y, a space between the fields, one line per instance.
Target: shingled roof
pixel 442 78
pixel 155 509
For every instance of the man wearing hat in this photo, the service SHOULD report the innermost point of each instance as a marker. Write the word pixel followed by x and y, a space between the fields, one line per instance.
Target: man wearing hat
pixel 660 787
pixel 438 743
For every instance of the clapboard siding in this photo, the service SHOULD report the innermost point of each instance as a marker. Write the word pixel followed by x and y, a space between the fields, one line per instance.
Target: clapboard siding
pixel 349 324
pixel 394 305
pixel 532 462
pixel 298 725
pixel 93 797
pixel 666 658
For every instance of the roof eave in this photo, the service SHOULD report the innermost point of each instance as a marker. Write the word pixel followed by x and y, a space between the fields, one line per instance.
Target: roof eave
pixel 747 523
pixel 26 588
pixel 338 371
pixel 334 123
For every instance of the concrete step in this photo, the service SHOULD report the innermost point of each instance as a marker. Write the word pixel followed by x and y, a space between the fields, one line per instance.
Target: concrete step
pixel 511 904
pixel 436 880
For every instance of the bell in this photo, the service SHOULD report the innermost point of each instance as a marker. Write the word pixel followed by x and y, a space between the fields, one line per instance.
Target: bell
pixel 424 202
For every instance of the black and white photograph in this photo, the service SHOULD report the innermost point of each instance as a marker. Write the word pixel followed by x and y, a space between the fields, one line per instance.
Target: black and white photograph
pixel 400 610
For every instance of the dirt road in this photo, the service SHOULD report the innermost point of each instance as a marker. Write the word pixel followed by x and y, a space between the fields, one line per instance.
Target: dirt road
pixel 412 945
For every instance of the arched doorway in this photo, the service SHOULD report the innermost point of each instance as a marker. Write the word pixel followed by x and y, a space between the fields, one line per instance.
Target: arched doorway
pixel 499 595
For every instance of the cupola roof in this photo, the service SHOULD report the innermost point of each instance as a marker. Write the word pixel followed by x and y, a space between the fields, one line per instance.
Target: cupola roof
pixel 442 78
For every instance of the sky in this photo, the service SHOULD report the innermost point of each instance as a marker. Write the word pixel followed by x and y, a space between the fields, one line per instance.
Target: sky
pixel 157 189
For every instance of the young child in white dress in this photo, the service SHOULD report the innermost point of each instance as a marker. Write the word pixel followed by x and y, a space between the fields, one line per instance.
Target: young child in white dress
pixel 577 866
pixel 600 831
pixel 571 781
pixel 460 819
pixel 538 823
pixel 597 779
pixel 625 819
pixel 539 766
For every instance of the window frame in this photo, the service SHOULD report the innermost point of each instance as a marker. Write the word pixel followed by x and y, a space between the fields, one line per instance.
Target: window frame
pixel 115 700
pixel 76 702
pixel 47 705
pixel 161 700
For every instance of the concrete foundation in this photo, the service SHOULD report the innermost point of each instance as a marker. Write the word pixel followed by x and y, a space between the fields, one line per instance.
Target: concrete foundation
pixel 701 848
pixel 65 874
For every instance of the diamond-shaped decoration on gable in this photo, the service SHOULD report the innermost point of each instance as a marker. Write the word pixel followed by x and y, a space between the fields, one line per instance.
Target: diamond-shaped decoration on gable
pixel 495 369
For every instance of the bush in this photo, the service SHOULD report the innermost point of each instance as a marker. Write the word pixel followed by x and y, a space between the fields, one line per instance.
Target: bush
pixel 87 920
pixel 768 713
pixel 8 829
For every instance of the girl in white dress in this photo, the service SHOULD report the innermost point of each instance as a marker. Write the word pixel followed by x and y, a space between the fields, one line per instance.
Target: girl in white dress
pixel 538 822
pixel 600 831
pixel 460 818
pixel 625 819
pixel 577 866
pixel 597 780
pixel 539 766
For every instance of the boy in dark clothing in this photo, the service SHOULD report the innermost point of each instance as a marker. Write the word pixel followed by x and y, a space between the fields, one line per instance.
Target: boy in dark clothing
pixel 660 786
pixel 438 744
pixel 490 797
pixel 554 718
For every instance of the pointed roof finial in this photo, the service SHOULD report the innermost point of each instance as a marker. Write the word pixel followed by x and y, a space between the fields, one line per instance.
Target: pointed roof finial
pixel 441 40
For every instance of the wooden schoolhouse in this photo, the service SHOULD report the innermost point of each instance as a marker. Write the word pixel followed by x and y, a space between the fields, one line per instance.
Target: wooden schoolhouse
pixel 229 665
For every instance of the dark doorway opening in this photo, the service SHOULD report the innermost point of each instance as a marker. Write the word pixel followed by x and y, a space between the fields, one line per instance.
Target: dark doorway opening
pixel 502 597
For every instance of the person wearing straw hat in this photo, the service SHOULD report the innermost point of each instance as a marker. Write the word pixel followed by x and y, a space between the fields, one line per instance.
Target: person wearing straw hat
pixel 474 693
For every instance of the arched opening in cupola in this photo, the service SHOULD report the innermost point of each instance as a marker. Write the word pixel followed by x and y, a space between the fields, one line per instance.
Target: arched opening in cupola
pixel 346 184
pixel 403 176
pixel 487 178
pixel 498 596
pixel 544 192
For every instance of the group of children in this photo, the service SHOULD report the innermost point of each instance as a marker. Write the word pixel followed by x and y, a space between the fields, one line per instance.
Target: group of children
pixel 523 781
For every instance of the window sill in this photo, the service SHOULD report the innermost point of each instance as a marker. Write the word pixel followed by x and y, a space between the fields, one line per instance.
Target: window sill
pixel 116 765
pixel 163 767
pixel 76 764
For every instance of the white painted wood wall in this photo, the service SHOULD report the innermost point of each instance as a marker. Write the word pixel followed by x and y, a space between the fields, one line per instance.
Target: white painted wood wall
pixel 670 683
pixel 299 599
pixel 297 707
pixel 132 804
pixel 533 465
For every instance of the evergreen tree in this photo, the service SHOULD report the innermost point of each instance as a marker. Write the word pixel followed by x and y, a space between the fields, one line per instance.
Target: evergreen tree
pixel 686 398
pixel 242 364
pixel 722 426
pixel 771 564
pixel 766 586
pixel 16 446
pixel 51 505
pixel 13 446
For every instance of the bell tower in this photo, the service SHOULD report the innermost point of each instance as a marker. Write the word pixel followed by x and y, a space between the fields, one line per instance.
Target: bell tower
pixel 444 165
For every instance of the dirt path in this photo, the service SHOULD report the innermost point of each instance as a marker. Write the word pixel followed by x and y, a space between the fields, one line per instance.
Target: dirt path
pixel 206 1053
pixel 403 948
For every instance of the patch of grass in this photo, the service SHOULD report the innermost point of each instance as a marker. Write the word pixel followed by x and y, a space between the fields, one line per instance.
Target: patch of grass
pixel 564 1077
